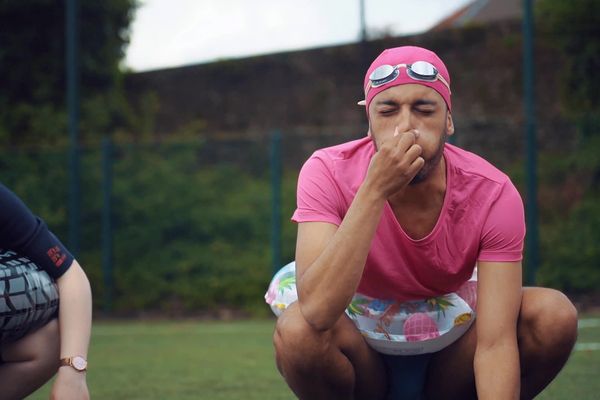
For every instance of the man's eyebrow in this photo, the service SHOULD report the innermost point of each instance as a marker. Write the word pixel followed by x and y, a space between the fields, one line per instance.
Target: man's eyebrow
pixel 420 102
pixel 386 103
pixel 425 102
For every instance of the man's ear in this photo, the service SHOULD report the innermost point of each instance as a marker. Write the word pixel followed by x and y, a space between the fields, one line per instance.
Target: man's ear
pixel 449 124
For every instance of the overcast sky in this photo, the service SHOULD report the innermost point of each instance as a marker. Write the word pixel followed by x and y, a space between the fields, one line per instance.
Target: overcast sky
pixel 170 33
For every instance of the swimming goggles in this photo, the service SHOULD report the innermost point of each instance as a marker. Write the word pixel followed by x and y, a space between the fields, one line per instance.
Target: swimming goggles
pixel 418 71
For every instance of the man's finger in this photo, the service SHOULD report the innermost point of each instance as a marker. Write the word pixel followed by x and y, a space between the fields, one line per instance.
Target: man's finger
pixel 415 167
pixel 413 152
pixel 406 139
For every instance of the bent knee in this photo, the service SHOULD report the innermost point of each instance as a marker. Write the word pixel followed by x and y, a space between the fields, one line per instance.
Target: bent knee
pixel 50 330
pixel 294 333
pixel 40 351
pixel 297 343
pixel 551 317
pixel 52 335
pixel 47 346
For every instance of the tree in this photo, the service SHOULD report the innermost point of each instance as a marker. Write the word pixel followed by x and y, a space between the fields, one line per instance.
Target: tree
pixel 572 224
pixel 574 27
pixel 32 67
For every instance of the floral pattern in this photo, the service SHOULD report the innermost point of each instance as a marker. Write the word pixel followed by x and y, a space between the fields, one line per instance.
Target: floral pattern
pixel 393 327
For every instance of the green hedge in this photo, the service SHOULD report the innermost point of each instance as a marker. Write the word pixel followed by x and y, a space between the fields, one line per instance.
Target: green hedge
pixel 194 236
pixel 569 216
pixel 188 237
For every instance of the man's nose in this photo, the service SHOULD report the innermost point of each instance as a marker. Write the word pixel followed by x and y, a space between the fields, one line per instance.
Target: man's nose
pixel 404 120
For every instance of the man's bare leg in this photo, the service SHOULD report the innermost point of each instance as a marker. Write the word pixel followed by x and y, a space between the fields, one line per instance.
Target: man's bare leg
pixel 334 364
pixel 546 332
pixel 29 362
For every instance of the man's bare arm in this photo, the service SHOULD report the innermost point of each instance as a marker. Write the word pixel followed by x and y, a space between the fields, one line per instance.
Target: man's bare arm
pixel 497 369
pixel 329 259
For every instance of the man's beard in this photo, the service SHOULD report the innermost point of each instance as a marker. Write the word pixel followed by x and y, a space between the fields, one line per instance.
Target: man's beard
pixel 432 162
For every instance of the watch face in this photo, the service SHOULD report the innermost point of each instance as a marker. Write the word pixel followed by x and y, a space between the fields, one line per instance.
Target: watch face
pixel 79 363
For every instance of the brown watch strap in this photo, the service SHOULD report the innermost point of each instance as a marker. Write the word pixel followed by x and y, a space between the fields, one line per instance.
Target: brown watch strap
pixel 78 363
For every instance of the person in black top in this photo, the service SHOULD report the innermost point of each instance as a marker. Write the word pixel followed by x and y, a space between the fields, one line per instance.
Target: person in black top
pixel 37 336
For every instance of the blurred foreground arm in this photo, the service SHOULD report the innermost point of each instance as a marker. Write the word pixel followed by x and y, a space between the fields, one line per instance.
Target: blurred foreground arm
pixel 75 322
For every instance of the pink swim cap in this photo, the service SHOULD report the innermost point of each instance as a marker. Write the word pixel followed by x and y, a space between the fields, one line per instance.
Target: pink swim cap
pixel 407 55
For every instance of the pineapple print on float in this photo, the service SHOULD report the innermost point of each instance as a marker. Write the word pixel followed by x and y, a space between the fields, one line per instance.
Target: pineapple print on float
pixel 392 327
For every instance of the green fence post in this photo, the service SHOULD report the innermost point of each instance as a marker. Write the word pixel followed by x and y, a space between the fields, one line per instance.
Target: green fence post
pixel 72 71
pixel 275 200
pixel 531 208
pixel 107 242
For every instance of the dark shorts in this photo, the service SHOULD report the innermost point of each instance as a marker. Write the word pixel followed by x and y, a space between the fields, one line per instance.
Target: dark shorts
pixel 28 297
pixel 406 376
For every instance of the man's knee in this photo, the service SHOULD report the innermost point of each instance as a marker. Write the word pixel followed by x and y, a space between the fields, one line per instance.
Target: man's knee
pixel 549 319
pixel 296 341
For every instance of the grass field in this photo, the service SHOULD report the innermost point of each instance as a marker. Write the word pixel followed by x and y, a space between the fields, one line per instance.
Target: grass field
pixel 234 360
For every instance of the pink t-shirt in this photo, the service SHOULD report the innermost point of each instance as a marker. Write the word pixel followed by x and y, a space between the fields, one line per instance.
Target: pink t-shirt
pixel 482 219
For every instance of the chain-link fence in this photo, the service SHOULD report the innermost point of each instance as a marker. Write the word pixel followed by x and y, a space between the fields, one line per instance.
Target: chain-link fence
pixel 198 225
pixel 176 227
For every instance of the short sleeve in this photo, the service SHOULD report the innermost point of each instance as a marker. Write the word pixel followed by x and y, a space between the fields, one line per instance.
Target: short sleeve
pixel 504 229
pixel 318 198
pixel 28 235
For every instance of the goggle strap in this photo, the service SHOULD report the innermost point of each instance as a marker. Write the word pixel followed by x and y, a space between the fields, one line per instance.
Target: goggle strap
pixel 443 80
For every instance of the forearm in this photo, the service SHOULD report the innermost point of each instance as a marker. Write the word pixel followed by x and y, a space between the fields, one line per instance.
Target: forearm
pixel 75 312
pixel 327 287
pixel 497 370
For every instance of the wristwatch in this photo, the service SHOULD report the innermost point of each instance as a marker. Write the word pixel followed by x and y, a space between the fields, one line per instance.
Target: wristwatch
pixel 78 363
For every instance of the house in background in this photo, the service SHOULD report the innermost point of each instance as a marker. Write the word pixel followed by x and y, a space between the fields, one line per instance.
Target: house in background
pixel 481 12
